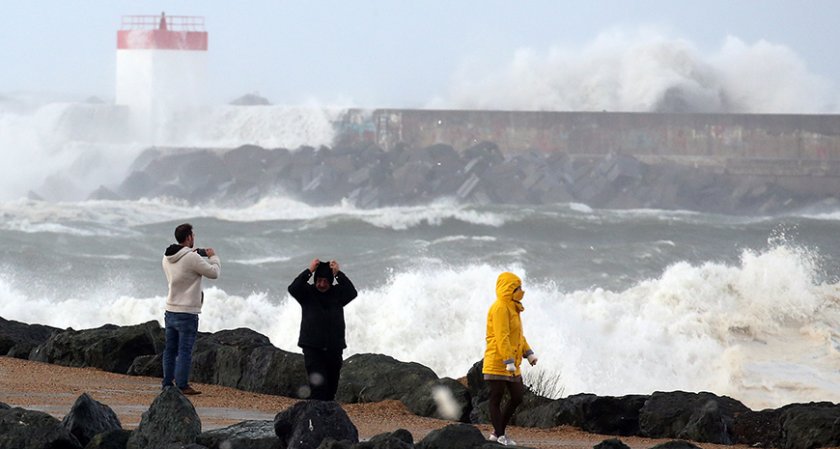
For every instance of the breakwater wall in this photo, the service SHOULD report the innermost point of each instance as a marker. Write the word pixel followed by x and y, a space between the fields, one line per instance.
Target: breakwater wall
pixel 744 136
pixel 782 145
pixel 737 164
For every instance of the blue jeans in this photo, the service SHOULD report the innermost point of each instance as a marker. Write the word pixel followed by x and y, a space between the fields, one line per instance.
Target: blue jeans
pixel 181 329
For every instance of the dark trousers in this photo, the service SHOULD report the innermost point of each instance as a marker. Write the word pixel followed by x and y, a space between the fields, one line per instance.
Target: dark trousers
pixel 181 330
pixel 323 368
pixel 498 417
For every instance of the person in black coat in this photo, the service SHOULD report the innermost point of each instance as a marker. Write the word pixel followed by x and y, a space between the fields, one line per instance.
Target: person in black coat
pixel 322 324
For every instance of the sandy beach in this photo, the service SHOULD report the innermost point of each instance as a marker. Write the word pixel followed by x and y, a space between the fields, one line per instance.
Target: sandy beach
pixel 53 389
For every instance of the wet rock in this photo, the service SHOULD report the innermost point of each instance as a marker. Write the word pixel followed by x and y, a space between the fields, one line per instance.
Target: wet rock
pixel 306 424
pixel 147 365
pixel 137 185
pixel 597 414
pixel 811 425
pixel 170 419
pixel 612 443
pixel 612 415
pixel 273 371
pixel 453 436
pixel 676 444
pixel 376 377
pixel 221 358
pixel 442 399
pixel 17 339
pixel 244 435
pixel 366 176
pixel 250 100
pixel 398 439
pixel 697 416
pixel 332 443
pixel 110 348
pixel 112 439
pixel 104 193
pixel 29 429
pixel 89 417
pixel 547 415
pixel 760 429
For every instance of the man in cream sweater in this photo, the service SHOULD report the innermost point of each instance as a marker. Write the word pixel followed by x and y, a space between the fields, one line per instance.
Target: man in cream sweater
pixel 184 267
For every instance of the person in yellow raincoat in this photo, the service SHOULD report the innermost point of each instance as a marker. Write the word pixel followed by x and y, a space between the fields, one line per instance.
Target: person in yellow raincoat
pixel 506 347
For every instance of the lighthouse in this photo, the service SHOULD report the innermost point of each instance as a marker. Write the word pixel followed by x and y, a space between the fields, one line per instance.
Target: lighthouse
pixel 161 63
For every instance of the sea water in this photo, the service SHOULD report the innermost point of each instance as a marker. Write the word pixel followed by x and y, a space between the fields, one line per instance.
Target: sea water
pixel 616 302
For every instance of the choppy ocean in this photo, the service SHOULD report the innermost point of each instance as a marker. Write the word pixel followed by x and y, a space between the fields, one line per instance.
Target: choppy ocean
pixel 617 302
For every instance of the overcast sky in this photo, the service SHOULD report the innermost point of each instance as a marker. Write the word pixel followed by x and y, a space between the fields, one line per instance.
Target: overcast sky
pixel 473 53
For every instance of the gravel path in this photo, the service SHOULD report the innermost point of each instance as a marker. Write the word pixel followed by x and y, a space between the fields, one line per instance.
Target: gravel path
pixel 53 389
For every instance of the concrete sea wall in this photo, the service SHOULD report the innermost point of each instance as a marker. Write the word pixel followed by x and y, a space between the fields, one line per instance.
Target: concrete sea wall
pixel 796 152
pixel 708 136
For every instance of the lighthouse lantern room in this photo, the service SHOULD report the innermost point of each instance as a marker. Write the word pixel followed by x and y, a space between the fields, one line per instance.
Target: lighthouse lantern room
pixel 161 63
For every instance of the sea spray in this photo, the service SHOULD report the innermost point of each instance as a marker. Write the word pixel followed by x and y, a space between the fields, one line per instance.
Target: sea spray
pixel 64 151
pixel 646 70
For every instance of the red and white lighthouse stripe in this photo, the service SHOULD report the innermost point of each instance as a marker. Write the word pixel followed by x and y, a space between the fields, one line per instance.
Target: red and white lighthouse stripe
pixel 162 33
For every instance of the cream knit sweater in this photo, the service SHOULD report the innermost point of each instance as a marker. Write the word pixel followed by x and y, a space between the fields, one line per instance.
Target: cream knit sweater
pixel 184 270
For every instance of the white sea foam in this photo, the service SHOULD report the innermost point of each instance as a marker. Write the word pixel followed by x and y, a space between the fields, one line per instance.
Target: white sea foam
pixel 261 260
pixel 456 238
pixel 760 331
pixel 105 217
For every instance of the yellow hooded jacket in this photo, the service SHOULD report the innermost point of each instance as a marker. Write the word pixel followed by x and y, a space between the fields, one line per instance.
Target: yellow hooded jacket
pixel 505 341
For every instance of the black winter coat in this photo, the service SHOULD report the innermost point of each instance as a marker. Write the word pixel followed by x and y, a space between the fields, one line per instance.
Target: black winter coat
pixel 322 321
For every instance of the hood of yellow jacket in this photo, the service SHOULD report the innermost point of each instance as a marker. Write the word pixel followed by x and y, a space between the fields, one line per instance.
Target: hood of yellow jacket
pixel 505 286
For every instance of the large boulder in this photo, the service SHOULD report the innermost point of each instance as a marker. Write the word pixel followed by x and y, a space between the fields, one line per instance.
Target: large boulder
pixel 398 439
pixel 195 176
pixel 551 414
pixel 110 347
pixel 147 365
pixel 612 443
pixel 89 417
pixel 18 339
pixel 170 419
pixel 806 426
pixel 332 443
pixel 453 436
pixel 441 398
pixel 307 423
pixel 29 429
pixel 274 371
pixel 244 435
pixel 112 439
pixel 476 385
pixel 605 415
pixel 376 377
pixel 676 444
pixel 694 416
pixel 221 358
pixel 759 429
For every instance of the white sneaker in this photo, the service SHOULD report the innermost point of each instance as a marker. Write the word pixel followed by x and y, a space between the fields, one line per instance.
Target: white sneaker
pixel 493 437
pixel 504 440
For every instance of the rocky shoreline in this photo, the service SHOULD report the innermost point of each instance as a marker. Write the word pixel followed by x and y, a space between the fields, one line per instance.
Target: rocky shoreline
pixel 366 176
pixel 246 360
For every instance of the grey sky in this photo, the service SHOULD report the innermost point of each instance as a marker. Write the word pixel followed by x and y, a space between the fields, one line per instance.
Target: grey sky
pixel 389 53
